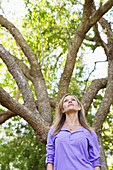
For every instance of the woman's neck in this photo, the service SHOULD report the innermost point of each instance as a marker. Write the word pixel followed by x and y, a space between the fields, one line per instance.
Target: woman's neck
pixel 72 119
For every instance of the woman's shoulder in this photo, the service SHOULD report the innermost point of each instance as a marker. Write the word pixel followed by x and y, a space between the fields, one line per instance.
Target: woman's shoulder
pixel 89 133
pixel 51 129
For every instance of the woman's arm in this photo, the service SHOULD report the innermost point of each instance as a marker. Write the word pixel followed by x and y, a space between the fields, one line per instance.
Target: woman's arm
pixel 94 153
pixel 97 168
pixel 51 167
pixel 50 148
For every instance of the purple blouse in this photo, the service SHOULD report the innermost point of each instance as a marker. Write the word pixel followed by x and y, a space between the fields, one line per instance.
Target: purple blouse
pixel 78 150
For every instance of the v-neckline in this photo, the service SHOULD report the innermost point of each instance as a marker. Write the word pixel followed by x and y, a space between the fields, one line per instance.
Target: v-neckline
pixel 73 130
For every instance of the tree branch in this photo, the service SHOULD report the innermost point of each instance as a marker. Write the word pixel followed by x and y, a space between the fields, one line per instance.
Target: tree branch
pixel 91 92
pixel 52 102
pixel 42 97
pixel 102 154
pixel 6 115
pixel 17 95
pixel 19 40
pixel 38 79
pixel 108 97
pixel 106 27
pixel 103 44
pixel 100 12
pixel 83 28
pixel 72 51
pixel 31 117
pixel 19 78
pixel 26 71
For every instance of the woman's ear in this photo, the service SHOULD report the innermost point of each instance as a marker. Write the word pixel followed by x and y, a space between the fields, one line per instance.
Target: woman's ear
pixel 62 110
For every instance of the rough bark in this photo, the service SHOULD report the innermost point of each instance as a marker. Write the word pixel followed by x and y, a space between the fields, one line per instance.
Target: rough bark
pixel 100 12
pixel 19 78
pixel 106 102
pixel 24 68
pixel 86 23
pixel 91 92
pixel 39 125
pixel 108 97
pixel 37 80
pixel 103 44
pixel 72 54
pixel 102 154
pixel 6 115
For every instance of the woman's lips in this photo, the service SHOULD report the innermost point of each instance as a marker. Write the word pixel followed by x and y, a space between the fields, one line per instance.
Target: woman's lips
pixel 70 105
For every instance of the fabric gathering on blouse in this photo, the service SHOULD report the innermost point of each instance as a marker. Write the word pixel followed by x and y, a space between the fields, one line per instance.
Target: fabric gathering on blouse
pixel 78 150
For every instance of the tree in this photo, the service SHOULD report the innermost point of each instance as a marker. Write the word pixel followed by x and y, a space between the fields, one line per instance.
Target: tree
pixel 26 73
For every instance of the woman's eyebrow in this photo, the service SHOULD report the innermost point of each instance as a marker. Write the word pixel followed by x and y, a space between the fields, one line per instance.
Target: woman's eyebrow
pixel 65 99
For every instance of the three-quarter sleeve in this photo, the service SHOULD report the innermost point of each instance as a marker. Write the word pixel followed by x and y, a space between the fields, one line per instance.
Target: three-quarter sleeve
pixel 94 153
pixel 50 148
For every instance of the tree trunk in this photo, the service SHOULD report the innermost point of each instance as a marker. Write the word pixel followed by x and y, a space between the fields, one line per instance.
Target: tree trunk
pixel 102 154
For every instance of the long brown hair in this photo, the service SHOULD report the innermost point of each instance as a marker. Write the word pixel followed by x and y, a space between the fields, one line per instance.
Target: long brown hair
pixel 60 117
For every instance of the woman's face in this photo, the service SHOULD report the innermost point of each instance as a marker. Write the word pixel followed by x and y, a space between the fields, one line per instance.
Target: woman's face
pixel 70 104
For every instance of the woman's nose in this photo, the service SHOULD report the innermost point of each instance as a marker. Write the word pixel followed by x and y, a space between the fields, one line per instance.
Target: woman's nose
pixel 70 101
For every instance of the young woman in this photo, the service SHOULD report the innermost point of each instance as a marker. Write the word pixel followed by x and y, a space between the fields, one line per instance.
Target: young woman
pixel 71 143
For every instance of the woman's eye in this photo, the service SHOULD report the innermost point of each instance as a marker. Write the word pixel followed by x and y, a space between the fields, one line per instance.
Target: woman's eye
pixel 73 99
pixel 65 100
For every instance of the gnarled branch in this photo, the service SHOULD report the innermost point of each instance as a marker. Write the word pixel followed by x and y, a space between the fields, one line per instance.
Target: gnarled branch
pixel 35 72
pixel 31 117
pixel 6 115
pixel 19 40
pixel 24 68
pixel 103 44
pixel 72 54
pixel 19 78
pixel 83 28
pixel 100 12
pixel 108 97
pixel 91 92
